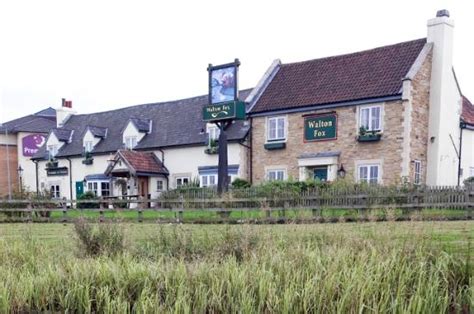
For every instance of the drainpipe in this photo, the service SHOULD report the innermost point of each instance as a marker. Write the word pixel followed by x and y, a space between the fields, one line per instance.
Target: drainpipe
pixel 70 180
pixel 37 179
pixel 462 126
pixel 251 152
pixel 163 162
pixel 8 165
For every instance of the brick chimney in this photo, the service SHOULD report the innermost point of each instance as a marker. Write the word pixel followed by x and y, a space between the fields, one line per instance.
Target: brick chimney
pixel 64 112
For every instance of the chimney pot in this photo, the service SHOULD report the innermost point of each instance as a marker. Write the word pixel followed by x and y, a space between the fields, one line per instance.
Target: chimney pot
pixel 442 13
pixel 63 102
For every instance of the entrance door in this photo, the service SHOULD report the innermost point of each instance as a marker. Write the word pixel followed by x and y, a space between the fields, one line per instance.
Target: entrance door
pixel 321 173
pixel 79 188
pixel 143 186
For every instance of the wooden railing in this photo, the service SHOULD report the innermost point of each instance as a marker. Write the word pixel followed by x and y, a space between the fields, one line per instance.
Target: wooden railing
pixel 255 199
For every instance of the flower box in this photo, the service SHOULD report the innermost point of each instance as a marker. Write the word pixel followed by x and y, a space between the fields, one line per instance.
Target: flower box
pixel 274 146
pixel 369 137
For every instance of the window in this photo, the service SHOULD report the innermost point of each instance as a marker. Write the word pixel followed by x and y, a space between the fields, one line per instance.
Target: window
pixel 159 185
pixel 105 189
pixel 370 118
pixel 55 191
pixel 182 181
pixel 276 129
pixel 92 187
pixel 369 173
pixel 417 171
pixel 213 132
pixel 130 142
pixel 53 151
pixel 276 174
pixel 208 180
pixel 88 146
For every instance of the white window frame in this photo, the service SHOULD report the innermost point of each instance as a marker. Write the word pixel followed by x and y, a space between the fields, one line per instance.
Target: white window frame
pixel 417 172
pixel 55 191
pixel 182 178
pixel 158 184
pixel 131 142
pixel 88 146
pixel 95 186
pixel 369 168
pixel 208 180
pixel 52 150
pixel 370 108
pixel 213 132
pixel 277 138
pixel 276 174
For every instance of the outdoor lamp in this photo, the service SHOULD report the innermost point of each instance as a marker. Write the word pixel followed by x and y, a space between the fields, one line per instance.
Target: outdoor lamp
pixel 341 172
pixel 20 170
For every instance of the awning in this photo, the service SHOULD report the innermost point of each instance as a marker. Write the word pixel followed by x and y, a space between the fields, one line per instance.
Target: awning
pixel 232 169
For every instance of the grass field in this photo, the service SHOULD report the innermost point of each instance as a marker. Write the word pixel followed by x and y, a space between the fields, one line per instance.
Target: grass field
pixel 419 267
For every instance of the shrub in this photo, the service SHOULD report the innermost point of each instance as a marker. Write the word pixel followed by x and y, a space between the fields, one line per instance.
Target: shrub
pixel 101 239
pixel 240 184
pixel 87 196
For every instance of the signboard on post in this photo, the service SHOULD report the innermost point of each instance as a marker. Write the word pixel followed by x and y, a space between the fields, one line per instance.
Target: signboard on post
pixel 224 111
pixel 322 127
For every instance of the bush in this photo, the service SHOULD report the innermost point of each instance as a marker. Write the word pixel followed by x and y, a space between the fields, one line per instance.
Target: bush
pixel 240 184
pixel 88 205
pixel 102 239
pixel 469 181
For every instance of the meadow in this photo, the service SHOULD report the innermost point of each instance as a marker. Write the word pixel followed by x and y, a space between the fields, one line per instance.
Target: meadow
pixel 394 267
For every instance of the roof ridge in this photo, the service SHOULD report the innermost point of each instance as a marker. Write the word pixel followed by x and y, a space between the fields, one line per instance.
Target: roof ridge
pixel 353 53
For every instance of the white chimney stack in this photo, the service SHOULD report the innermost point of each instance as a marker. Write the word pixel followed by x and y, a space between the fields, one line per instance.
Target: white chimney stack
pixel 64 112
pixel 445 105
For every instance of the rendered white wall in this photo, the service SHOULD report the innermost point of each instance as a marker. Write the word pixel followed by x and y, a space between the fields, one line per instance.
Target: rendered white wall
pixel 467 160
pixel 131 130
pixel 89 137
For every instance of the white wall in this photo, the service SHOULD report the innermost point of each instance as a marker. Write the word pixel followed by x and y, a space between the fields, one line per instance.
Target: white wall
pixel 89 137
pixel 467 158
pixel 9 139
pixel 131 130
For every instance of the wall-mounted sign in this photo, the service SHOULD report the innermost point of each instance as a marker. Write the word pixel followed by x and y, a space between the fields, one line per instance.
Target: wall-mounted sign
pixel 32 143
pixel 320 127
pixel 224 111
pixel 61 171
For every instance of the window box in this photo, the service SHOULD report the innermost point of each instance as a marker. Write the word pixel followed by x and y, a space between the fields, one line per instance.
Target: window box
pixel 274 146
pixel 369 137
pixel 213 147
pixel 52 164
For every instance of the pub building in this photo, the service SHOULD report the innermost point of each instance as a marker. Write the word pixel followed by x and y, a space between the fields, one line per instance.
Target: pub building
pixel 388 115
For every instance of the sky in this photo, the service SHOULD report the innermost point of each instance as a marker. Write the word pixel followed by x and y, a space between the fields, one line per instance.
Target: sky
pixel 105 54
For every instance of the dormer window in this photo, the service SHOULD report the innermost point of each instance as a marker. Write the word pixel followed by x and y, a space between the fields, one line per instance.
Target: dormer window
pixel 88 146
pixel 130 142
pixel 213 132
pixel 53 151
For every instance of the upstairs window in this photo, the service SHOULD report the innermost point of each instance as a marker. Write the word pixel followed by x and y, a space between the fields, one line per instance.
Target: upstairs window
pixel 371 118
pixel 88 146
pixel 213 132
pixel 276 129
pixel 130 142
pixel 369 173
pixel 53 151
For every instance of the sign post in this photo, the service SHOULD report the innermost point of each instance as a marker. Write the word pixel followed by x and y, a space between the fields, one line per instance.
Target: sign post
pixel 224 107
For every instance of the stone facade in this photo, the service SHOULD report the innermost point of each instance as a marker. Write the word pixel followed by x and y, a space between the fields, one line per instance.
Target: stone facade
pixel 420 118
pixel 13 161
pixel 387 151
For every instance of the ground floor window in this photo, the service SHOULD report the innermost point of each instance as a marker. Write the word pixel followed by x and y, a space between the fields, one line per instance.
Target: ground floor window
pixel 369 173
pixel 159 185
pixel 208 180
pixel 276 174
pixel 99 188
pixel 55 191
pixel 105 188
pixel 417 165
pixel 182 181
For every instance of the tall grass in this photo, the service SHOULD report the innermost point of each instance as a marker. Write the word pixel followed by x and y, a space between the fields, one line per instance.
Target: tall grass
pixel 242 269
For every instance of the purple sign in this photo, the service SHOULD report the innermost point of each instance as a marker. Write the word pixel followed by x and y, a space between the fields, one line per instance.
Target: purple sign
pixel 32 143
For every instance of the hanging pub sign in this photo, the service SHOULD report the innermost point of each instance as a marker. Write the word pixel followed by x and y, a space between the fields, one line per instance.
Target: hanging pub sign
pixel 224 101
pixel 321 127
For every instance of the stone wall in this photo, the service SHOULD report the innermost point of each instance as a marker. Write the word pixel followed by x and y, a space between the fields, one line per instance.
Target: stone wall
pixel 420 118
pixel 388 150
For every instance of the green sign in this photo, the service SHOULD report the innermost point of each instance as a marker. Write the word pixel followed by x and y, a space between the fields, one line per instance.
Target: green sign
pixel 224 111
pixel 320 127
pixel 60 171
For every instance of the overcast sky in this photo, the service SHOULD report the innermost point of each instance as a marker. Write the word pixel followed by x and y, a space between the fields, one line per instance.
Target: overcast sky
pixel 104 55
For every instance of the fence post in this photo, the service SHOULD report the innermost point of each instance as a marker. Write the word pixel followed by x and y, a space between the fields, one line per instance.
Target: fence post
pixel 29 208
pixel 141 205
pixel 470 200
pixel 101 212
pixel 65 211
pixel 181 209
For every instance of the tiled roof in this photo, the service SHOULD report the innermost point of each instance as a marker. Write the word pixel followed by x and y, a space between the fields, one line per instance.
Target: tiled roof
pixel 143 162
pixel 63 135
pixel 174 123
pixel 467 111
pixel 97 131
pixel 362 75
pixel 142 125
pixel 41 122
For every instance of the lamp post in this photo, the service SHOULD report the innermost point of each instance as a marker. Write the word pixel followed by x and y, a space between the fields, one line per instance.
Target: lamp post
pixel 20 177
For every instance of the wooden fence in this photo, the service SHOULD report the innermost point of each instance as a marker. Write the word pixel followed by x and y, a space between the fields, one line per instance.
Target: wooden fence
pixel 360 198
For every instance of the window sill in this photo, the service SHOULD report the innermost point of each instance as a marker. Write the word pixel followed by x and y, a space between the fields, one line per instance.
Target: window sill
pixel 369 137
pixel 274 145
